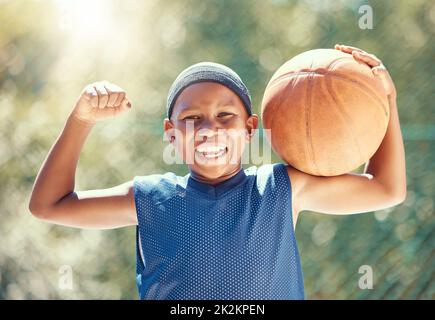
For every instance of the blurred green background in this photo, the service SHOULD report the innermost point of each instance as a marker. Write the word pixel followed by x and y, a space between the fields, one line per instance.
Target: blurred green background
pixel 49 50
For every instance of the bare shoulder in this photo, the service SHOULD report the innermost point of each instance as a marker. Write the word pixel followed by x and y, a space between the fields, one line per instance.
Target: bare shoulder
pixel 298 179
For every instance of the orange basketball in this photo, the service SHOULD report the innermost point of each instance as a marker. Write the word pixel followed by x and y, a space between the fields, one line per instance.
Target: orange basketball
pixel 327 113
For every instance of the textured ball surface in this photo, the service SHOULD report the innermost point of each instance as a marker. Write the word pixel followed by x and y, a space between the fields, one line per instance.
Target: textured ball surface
pixel 327 113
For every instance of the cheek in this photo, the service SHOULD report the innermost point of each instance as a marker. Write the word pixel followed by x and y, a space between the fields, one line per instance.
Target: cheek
pixel 184 142
pixel 241 144
pixel 238 139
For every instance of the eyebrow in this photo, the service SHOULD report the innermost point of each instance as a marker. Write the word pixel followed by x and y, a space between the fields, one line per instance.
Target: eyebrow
pixel 187 109
pixel 191 108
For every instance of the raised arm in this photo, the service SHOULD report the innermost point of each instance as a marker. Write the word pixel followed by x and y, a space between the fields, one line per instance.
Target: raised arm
pixel 53 197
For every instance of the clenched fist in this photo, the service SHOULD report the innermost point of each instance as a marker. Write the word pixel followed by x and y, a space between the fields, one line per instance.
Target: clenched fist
pixel 99 101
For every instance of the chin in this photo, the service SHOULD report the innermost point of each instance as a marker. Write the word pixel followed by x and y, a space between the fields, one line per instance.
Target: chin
pixel 211 171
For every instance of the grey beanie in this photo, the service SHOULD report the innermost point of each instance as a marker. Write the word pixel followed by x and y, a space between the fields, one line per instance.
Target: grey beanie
pixel 208 72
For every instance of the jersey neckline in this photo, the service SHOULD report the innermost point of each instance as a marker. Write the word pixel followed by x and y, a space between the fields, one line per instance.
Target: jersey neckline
pixel 218 189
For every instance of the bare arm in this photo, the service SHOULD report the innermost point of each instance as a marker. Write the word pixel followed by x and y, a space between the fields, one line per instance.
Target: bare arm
pixel 388 163
pixel 383 183
pixel 53 197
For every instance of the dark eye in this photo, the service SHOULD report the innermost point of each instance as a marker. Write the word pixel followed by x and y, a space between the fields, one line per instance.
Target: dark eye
pixel 191 118
pixel 224 114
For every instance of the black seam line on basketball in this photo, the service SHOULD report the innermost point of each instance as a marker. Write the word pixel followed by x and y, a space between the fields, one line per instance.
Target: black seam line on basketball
pixel 340 105
pixel 369 96
pixel 331 64
pixel 282 98
pixel 308 120
pixel 375 96
pixel 335 61
pixel 291 74
pixel 344 115
pixel 308 108
pixel 311 65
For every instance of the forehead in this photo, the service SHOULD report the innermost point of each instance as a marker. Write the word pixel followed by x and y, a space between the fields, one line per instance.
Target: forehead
pixel 205 94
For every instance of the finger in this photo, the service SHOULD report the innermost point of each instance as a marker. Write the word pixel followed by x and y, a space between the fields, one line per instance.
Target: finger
pixel 113 94
pixel 115 111
pixel 370 59
pixel 125 104
pixel 92 95
pixel 347 49
pixel 379 70
pixel 121 96
pixel 103 96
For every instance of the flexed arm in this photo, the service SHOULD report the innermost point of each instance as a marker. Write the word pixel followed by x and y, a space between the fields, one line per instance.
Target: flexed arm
pixel 53 196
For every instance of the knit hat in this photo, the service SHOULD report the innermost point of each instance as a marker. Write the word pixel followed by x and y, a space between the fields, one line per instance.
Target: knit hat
pixel 208 72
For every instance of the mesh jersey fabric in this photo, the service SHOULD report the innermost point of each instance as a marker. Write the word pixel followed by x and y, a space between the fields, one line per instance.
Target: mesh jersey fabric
pixel 231 241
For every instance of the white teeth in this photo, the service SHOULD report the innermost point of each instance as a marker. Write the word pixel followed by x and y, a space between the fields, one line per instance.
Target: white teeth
pixel 211 149
pixel 212 152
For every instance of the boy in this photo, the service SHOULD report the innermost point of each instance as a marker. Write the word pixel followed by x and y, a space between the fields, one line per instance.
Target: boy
pixel 220 232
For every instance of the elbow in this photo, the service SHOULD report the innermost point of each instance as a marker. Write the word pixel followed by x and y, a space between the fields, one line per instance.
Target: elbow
pixel 38 211
pixel 398 197
pixel 34 207
pixel 395 194
pixel 35 211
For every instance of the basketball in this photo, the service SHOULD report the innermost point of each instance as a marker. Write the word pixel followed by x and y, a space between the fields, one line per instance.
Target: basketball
pixel 326 113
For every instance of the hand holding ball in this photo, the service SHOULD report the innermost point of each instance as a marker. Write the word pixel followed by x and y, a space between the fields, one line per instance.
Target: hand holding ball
pixel 327 113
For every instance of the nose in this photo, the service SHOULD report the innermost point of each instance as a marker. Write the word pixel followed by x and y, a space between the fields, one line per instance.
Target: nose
pixel 205 133
pixel 207 129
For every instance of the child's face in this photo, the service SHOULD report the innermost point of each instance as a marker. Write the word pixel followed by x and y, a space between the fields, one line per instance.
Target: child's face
pixel 211 126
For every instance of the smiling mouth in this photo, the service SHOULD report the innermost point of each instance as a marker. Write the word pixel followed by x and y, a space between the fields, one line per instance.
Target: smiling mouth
pixel 211 152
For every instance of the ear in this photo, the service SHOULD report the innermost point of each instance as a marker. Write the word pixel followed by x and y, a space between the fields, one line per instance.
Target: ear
pixel 168 127
pixel 251 126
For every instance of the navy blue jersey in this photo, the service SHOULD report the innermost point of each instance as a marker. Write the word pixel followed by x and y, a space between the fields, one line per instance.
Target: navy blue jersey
pixel 234 240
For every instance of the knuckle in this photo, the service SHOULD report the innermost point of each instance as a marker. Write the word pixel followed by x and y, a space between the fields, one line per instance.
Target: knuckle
pixel 120 97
